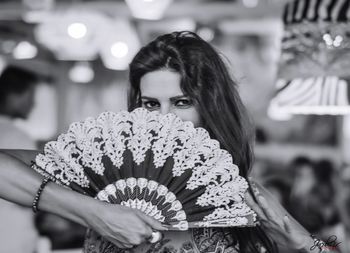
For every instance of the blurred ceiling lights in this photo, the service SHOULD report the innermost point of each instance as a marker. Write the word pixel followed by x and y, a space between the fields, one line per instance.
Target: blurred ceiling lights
pixel 82 36
pixel 24 50
pixel 118 48
pixel 72 35
pixel 148 9
pixel 77 30
pixel 81 72
pixel 200 10
pixel 206 33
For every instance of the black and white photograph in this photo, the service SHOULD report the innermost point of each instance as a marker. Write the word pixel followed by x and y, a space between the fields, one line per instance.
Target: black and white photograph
pixel 174 126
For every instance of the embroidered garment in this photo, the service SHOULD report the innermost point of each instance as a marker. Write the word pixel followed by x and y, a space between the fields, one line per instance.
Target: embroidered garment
pixel 202 240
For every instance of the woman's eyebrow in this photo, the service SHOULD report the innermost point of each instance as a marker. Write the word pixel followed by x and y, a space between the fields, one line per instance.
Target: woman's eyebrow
pixel 148 98
pixel 178 97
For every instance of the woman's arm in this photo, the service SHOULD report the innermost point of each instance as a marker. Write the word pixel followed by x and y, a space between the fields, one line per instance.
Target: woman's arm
pixel 279 224
pixel 24 155
pixel 123 226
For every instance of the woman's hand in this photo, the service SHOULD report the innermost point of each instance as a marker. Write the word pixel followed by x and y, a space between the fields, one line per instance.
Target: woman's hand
pixel 123 226
pixel 278 224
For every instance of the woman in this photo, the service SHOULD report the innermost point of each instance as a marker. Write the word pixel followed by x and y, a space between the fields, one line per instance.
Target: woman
pixel 182 74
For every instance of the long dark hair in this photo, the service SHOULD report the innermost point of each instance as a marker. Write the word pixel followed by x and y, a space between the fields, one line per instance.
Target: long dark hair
pixel 206 80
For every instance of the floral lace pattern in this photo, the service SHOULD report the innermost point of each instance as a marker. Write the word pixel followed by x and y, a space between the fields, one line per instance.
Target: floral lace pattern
pixel 150 197
pixel 164 136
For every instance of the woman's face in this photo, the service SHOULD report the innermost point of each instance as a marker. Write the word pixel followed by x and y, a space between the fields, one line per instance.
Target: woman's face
pixel 160 91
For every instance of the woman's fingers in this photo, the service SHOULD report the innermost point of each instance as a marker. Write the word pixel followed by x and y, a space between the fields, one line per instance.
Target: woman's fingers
pixel 262 209
pixel 269 213
pixel 127 246
pixel 116 243
pixel 123 226
pixel 279 225
pixel 153 223
pixel 253 205
pixel 287 225
pixel 123 245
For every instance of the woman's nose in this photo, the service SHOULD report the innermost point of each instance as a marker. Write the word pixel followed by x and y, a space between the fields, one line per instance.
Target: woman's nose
pixel 165 109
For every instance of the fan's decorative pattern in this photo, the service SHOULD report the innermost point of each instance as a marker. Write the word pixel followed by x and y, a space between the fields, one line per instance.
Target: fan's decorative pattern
pixel 156 163
pixel 149 197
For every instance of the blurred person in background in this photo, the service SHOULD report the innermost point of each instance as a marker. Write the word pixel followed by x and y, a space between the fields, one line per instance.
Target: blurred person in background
pixel 17 87
pixel 303 209
pixel 303 176
pixel 341 183
pixel 312 194
pixel 324 192
pixel 280 188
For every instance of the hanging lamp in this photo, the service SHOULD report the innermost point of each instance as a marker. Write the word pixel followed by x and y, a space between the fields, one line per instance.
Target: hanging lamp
pixel 314 68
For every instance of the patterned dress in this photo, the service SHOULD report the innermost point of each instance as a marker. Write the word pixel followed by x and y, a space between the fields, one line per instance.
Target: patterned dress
pixel 203 240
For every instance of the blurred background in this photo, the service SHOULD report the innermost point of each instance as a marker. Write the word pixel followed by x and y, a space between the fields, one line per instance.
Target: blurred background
pixel 291 60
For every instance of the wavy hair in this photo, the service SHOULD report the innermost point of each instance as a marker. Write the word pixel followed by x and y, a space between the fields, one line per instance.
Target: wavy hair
pixel 206 80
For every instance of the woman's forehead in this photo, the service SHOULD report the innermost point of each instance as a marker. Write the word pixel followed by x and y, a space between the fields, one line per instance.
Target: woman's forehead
pixel 161 83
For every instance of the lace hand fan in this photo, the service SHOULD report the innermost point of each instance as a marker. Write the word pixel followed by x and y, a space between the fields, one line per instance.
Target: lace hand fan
pixel 156 163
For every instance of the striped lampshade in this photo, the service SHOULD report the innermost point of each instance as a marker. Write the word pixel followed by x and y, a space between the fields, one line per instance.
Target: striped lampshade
pixel 313 95
pixel 315 61
pixel 299 11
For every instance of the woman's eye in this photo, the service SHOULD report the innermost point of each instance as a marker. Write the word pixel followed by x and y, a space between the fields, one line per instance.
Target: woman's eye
pixel 183 103
pixel 150 104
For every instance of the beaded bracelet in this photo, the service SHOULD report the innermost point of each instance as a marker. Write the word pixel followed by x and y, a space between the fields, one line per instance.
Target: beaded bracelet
pixel 38 194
